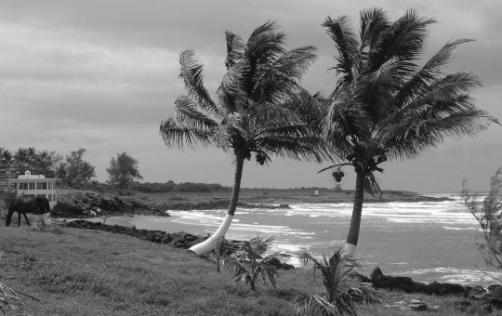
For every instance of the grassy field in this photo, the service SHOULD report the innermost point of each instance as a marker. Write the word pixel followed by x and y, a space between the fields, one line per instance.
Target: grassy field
pixel 80 272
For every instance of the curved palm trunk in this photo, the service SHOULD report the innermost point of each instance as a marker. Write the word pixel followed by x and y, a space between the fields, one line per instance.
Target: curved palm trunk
pixel 209 244
pixel 355 221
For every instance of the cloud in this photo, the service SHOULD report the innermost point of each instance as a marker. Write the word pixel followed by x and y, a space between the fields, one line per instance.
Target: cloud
pixel 103 74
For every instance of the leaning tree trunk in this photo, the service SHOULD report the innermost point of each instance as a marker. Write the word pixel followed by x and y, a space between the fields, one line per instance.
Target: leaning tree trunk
pixel 209 244
pixel 355 221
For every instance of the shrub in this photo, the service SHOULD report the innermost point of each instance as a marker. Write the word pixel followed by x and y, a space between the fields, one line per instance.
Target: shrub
pixel 249 262
pixel 488 213
pixel 342 291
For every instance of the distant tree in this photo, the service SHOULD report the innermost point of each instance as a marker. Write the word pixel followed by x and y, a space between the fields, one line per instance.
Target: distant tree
pixel 122 172
pixel 75 171
pixel 5 157
pixel 38 162
pixel 385 105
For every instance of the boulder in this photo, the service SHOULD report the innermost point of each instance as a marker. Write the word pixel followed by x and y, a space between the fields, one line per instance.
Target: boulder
pixel 66 209
pixel 379 280
pixel 278 263
pixel 495 295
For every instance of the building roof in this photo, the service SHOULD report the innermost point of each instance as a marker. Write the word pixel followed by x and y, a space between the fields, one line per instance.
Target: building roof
pixel 32 178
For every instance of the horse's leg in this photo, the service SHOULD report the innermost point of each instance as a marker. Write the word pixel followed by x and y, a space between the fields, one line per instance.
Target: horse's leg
pixel 26 218
pixel 9 216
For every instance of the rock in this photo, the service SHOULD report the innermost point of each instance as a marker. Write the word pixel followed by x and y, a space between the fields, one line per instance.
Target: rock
pixel 488 308
pixel 379 280
pixel 495 295
pixel 65 209
pixel 418 307
pixel 278 263
pixel 476 292
pixel 444 288
pixel 462 305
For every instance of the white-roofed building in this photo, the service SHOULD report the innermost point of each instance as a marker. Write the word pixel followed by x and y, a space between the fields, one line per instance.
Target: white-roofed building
pixel 36 185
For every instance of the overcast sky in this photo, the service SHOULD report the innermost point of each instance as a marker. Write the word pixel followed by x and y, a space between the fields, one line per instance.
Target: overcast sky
pixel 102 74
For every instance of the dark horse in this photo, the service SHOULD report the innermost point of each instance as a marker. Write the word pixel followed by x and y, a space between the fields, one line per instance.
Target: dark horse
pixel 23 205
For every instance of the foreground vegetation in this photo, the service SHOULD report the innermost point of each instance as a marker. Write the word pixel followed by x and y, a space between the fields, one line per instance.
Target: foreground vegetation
pixel 80 272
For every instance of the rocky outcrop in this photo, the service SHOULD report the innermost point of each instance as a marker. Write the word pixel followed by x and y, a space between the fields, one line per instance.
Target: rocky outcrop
pixel 379 280
pixel 178 240
pixel 479 298
pixel 81 204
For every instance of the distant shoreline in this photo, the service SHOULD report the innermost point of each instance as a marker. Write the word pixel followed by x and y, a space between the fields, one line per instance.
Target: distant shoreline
pixel 275 198
pixel 77 203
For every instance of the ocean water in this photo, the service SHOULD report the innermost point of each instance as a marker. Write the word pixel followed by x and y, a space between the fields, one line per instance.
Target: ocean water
pixel 425 240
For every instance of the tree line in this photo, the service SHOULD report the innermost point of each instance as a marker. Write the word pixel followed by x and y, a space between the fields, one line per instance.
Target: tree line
pixel 72 170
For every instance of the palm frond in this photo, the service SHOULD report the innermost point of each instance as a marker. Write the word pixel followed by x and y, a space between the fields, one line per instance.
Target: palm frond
pixel 175 134
pixel 445 88
pixel 373 23
pixel 403 39
pixel 302 148
pixel 251 266
pixel 410 136
pixel 235 48
pixel 265 42
pixel 188 112
pixel 295 62
pixel 346 44
pixel 371 185
pixel 342 292
pixel 315 305
pixel 274 82
pixel 230 92
pixel 347 122
pixel 429 72
pixel 338 165
pixel 260 245
pixel 264 45
pixel 309 109
pixel 192 74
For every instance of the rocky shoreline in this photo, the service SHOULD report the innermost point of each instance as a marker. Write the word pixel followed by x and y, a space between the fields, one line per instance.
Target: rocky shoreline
pixel 87 204
pixel 180 239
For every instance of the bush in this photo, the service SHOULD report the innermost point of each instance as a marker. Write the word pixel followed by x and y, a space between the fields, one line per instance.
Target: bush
pixel 342 290
pixel 488 213
pixel 249 262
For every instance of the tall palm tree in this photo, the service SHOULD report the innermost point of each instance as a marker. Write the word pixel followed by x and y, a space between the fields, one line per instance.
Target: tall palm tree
pixel 257 110
pixel 385 105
